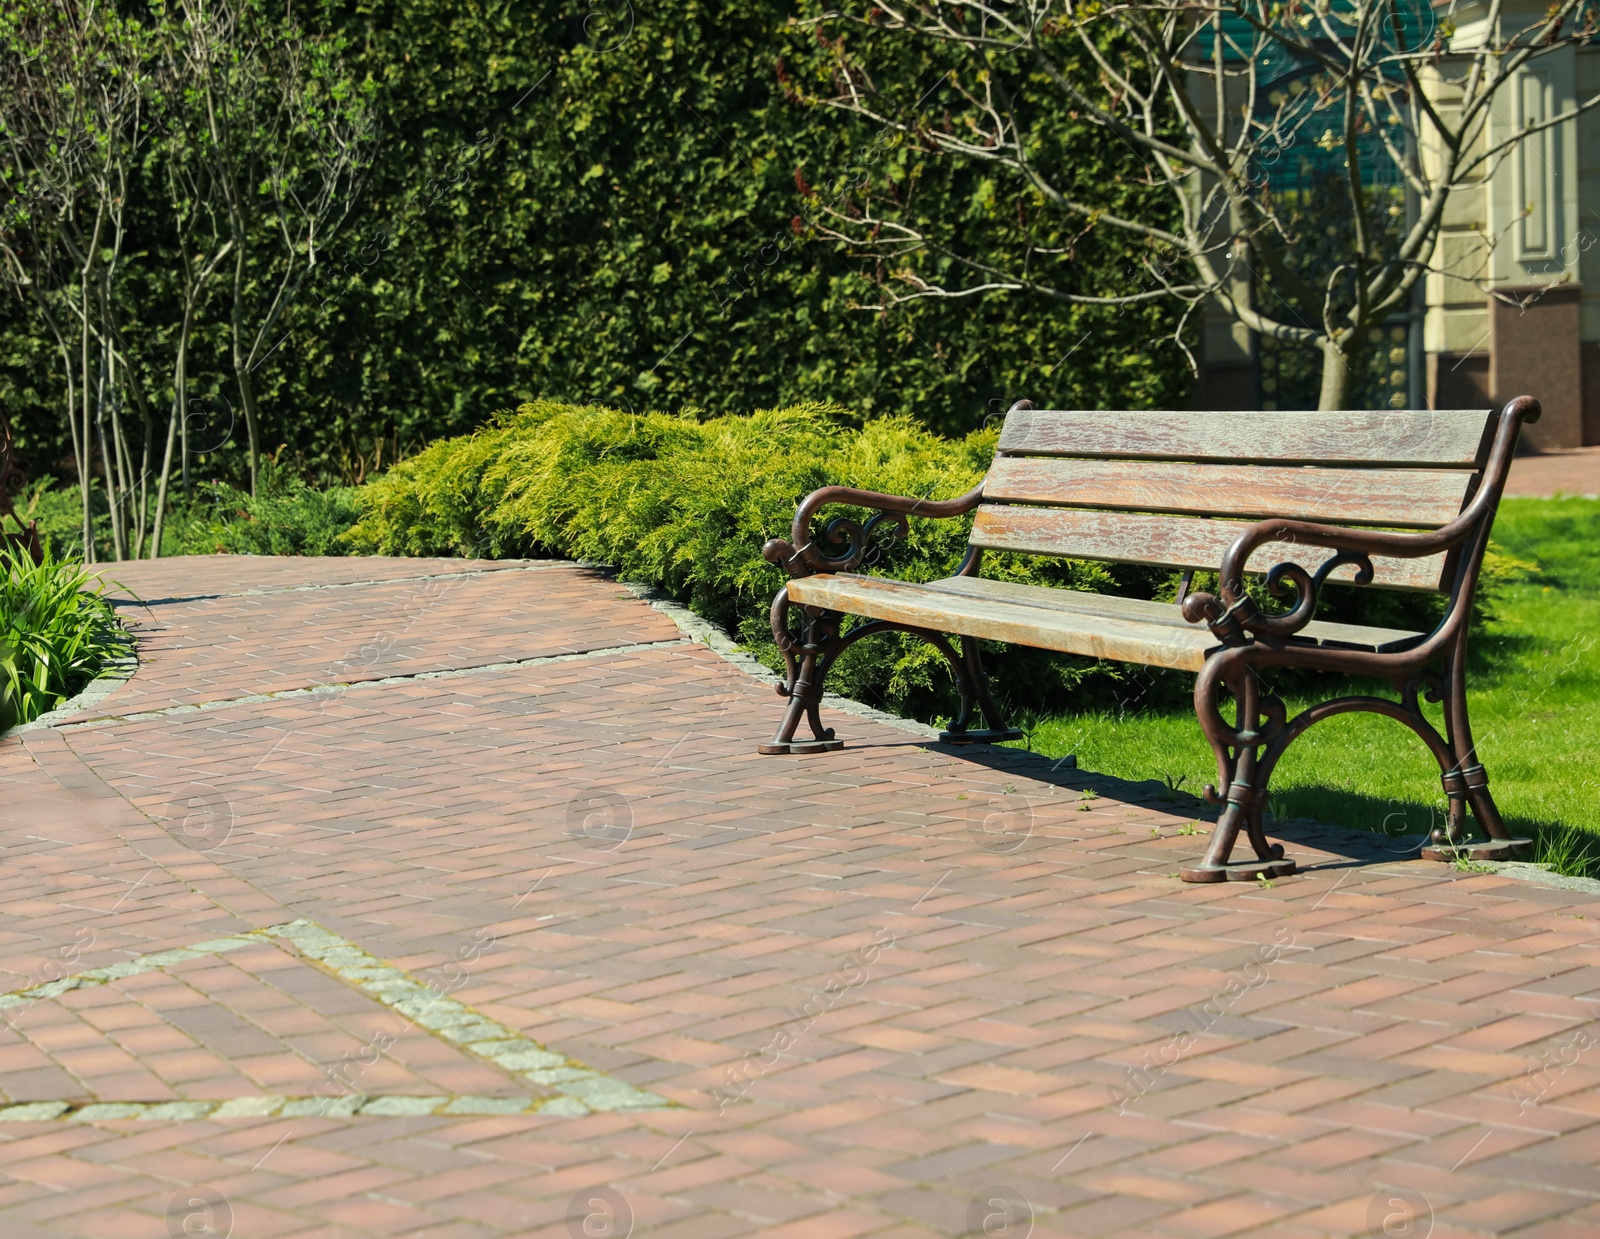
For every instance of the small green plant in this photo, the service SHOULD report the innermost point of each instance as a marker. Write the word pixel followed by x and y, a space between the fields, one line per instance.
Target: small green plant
pixel 1569 851
pixel 1172 786
pixel 1189 828
pixel 56 633
pixel 285 517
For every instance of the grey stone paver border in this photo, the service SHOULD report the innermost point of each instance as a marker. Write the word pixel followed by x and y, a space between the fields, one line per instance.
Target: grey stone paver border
pixel 346 686
pixel 580 1089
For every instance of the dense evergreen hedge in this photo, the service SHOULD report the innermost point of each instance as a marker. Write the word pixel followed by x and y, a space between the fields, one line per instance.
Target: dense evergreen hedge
pixel 598 204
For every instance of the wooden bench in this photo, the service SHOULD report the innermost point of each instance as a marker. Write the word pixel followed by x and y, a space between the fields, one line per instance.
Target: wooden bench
pixel 1396 499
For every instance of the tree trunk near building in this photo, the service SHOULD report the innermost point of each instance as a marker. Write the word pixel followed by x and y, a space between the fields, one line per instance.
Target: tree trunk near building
pixel 1338 367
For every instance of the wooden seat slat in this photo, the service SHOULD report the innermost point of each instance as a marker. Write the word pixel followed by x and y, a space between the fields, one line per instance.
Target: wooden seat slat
pixel 1145 610
pixel 1163 541
pixel 1423 498
pixel 1448 437
pixel 1072 621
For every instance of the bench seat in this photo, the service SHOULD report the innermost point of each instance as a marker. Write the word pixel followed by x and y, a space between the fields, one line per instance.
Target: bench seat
pixel 1072 621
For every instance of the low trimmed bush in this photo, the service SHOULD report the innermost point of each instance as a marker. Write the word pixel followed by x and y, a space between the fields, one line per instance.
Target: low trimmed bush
pixel 287 517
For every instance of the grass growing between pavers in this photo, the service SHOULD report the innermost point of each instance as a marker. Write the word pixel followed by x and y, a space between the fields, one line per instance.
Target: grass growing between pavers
pixel 1533 688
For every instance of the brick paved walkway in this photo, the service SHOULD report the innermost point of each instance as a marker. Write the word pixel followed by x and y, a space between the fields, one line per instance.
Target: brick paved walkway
pixel 1572 472
pixel 897 991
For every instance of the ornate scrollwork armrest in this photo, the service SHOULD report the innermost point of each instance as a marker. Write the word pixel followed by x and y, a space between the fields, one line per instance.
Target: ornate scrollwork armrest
pixel 1230 621
pixel 1235 618
pixel 803 554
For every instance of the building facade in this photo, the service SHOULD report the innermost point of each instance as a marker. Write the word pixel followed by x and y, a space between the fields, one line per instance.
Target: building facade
pixel 1512 301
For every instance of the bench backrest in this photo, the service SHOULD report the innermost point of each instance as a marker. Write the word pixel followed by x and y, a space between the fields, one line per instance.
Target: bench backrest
pixel 1175 489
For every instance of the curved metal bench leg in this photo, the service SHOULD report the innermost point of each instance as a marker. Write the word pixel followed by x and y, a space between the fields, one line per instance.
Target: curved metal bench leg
pixel 1466 781
pixel 973 682
pixel 1241 771
pixel 807 661
pixel 809 657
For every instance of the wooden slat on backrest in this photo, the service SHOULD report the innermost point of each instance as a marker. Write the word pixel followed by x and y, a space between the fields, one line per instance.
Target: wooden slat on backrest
pixel 1165 541
pixel 1425 498
pixel 1130 487
pixel 1394 437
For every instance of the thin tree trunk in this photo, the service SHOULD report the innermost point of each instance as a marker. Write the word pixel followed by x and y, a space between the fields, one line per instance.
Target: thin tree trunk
pixel 180 412
pixel 109 453
pixel 1337 369
pixel 140 492
pixel 106 451
pixel 161 488
pixel 247 393
pixel 85 465
pixel 137 483
pixel 183 434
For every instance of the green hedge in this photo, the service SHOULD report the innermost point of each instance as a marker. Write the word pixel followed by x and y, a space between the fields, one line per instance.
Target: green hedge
pixel 685 503
pixel 599 203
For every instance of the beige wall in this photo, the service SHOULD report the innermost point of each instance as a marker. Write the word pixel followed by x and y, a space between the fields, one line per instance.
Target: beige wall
pixel 1530 231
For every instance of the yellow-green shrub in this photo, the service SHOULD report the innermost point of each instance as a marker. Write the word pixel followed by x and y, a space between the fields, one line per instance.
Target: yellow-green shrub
pixel 686 502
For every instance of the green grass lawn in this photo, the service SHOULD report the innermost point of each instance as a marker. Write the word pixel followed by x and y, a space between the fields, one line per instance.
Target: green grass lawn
pixel 1533 690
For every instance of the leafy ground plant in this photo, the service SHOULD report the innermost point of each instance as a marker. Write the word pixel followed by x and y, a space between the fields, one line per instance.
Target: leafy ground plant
pixel 57 632
pixel 285 517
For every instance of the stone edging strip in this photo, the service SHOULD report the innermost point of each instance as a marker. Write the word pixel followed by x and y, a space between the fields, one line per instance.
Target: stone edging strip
pixel 709 635
pixel 449 673
pixel 580 1089
pixel 269 1105
pixel 524 565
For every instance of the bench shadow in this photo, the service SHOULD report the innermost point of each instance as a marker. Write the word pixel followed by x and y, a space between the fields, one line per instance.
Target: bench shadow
pixel 1353 845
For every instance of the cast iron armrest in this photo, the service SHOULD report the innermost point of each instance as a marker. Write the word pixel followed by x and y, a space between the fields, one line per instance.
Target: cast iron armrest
pixel 802 556
pixel 1235 614
pixel 1234 617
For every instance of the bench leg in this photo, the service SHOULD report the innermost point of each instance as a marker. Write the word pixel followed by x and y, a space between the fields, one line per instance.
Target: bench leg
pixel 1465 781
pixel 809 655
pixel 807 660
pixel 1242 772
pixel 973 683
pixel 1248 751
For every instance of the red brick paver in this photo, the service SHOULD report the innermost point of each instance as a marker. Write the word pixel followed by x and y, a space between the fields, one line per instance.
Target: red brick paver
pixel 1575 471
pixel 874 1014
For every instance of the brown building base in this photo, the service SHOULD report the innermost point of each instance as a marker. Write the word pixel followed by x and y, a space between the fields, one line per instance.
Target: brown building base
pixel 1534 350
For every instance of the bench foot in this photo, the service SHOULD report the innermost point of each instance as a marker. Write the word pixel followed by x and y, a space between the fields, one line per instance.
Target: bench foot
pixel 800 746
pixel 1488 849
pixel 994 735
pixel 1239 871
